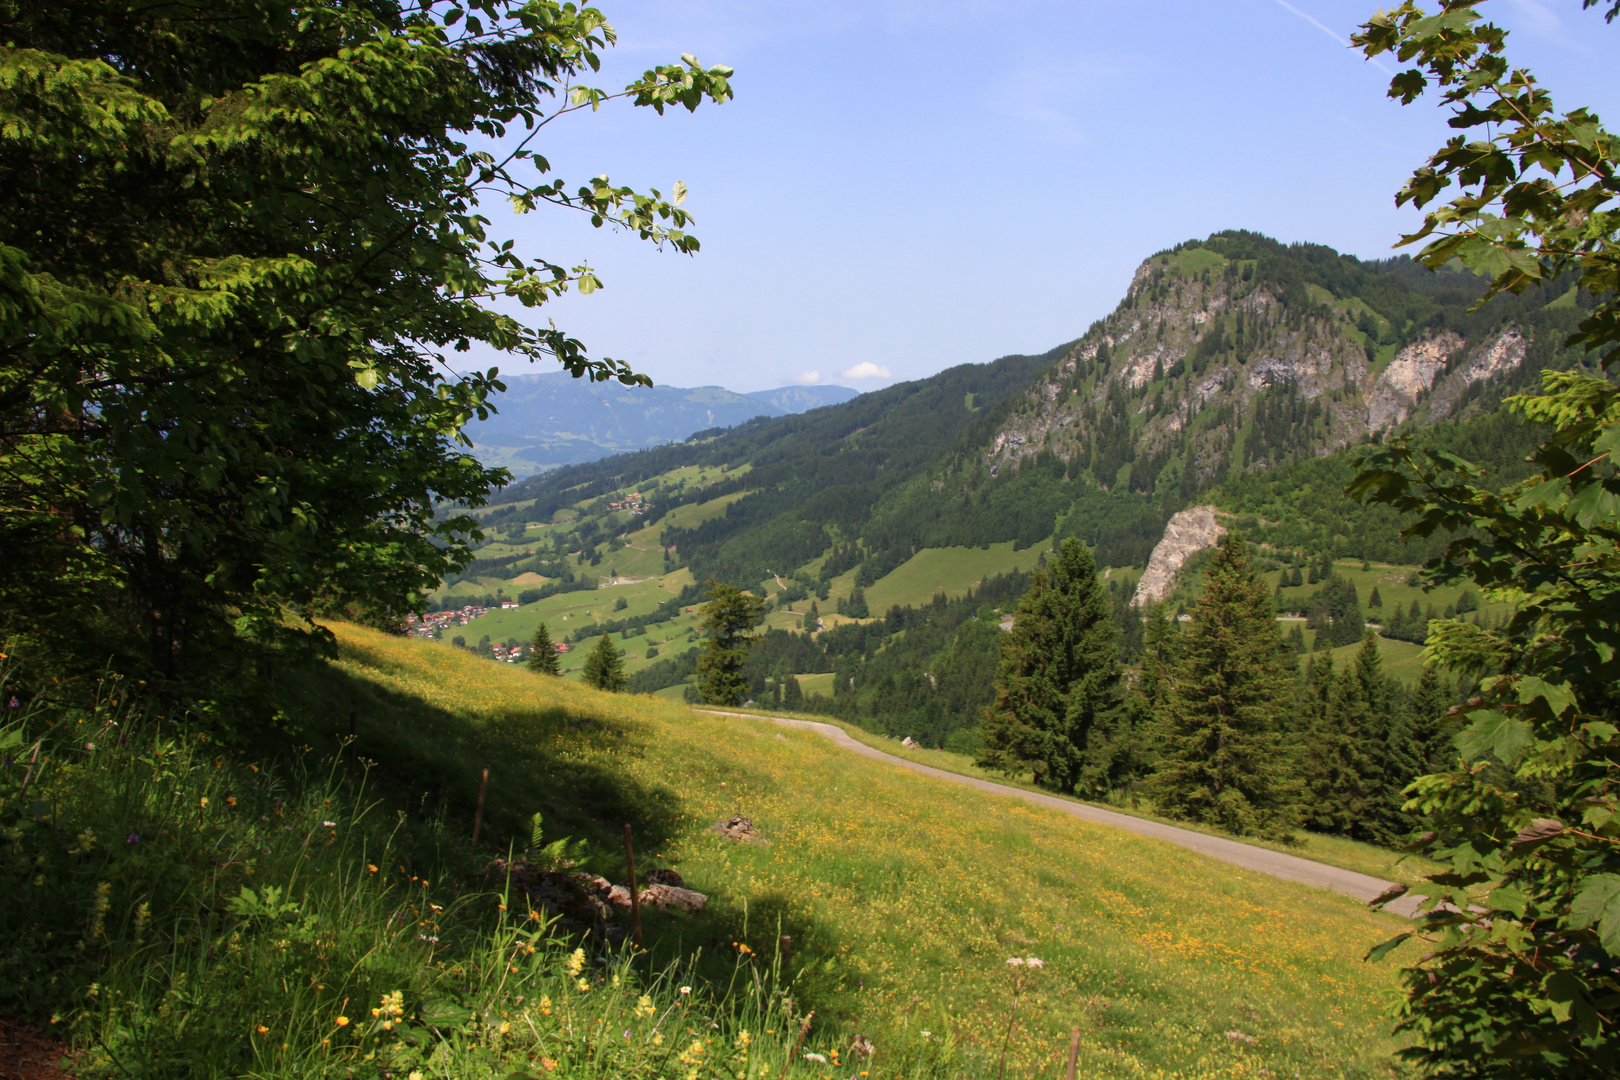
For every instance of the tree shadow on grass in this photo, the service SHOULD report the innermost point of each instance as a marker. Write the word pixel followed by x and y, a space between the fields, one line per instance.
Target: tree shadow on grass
pixel 425 760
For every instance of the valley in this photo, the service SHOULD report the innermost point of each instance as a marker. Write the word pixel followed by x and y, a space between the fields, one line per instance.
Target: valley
pixel 1237 371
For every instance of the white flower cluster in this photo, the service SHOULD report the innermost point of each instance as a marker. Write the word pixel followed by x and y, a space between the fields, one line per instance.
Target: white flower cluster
pixel 1026 961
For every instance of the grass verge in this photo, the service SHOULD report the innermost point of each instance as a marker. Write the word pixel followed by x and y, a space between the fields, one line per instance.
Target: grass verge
pixel 1410 870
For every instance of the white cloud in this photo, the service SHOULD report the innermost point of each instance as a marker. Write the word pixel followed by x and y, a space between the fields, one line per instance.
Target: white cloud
pixel 865 370
pixel 808 378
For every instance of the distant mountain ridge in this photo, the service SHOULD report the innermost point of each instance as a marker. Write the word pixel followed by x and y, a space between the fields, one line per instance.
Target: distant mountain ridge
pixel 552 419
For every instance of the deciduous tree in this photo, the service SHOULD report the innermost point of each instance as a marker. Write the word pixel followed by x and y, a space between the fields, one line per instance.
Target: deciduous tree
pixel 1518 972
pixel 238 244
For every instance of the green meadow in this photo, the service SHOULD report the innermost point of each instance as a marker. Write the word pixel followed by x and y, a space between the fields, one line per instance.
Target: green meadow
pixel 904 896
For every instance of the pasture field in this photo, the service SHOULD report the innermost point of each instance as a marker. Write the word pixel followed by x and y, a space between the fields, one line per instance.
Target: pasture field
pixel 683 517
pixel 904 897
pixel 818 683
pixel 951 570
pixel 1402 659
pixel 1392 588
pixel 564 611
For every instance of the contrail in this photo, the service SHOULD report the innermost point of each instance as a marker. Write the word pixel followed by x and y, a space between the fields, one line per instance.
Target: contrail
pixel 1330 32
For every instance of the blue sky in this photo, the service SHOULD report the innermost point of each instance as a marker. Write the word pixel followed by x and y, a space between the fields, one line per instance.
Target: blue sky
pixel 903 186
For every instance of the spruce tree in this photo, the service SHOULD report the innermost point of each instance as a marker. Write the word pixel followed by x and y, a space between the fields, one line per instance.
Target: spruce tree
pixel 604 668
pixel 1345 758
pixel 730 616
pixel 543 659
pixel 1419 744
pixel 1224 762
pixel 1059 695
pixel 792 692
pixel 1150 697
pixel 1374 600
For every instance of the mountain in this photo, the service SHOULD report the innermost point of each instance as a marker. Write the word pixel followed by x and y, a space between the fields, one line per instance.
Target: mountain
pixel 1237 372
pixel 1238 354
pixel 797 399
pixel 552 419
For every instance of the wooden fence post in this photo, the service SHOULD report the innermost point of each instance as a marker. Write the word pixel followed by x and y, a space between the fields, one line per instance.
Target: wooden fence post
pixel 635 899
pixel 478 815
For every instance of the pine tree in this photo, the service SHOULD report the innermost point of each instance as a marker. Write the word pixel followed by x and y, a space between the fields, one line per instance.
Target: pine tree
pixel 811 618
pixel 1374 600
pixel 1224 763
pixel 1059 694
pixel 604 668
pixel 543 659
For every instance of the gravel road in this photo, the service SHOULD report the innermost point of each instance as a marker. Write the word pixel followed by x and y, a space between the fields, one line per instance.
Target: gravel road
pixel 1275 863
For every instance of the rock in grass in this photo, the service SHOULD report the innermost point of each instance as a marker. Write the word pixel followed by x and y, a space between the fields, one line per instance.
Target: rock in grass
pixel 740 830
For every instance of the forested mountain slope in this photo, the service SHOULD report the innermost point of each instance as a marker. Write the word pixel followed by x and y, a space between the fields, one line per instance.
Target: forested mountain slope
pixel 1237 371
pixel 1239 354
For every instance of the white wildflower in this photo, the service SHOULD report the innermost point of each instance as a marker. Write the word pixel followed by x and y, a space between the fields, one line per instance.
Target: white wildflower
pixel 819 1059
pixel 1015 961
pixel 1034 962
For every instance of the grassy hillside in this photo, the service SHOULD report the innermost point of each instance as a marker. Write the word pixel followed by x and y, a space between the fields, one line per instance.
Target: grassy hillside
pixel 904 897
pixel 950 570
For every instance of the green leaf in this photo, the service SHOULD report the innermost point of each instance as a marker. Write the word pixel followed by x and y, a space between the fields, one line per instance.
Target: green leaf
pixel 1598 903
pixel 1507 898
pixel 1493 733
pixel 1593 503
pixel 679 193
pixel 1378 952
pixel 1557 695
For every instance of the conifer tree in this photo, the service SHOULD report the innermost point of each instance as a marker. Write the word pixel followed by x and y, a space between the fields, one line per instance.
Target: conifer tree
pixel 1374 600
pixel 1224 763
pixel 1059 698
pixel 1345 750
pixel 730 616
pixel 1150 697
pixel 792 692
pixel 543 659
pixel 604 668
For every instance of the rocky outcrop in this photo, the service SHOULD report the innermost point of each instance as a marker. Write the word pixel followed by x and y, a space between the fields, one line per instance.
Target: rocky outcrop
pixel 1193 529
pixel 1394 395
pixel 1200 332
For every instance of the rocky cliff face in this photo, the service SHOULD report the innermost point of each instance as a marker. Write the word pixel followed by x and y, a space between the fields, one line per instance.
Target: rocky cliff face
pixel 1189 531
pixel 1215 362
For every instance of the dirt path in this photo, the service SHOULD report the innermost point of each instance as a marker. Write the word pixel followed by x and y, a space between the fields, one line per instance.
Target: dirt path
pixel 1275 863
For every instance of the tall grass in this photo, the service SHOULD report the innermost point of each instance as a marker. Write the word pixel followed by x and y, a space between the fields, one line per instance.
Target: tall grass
pixel 178 911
